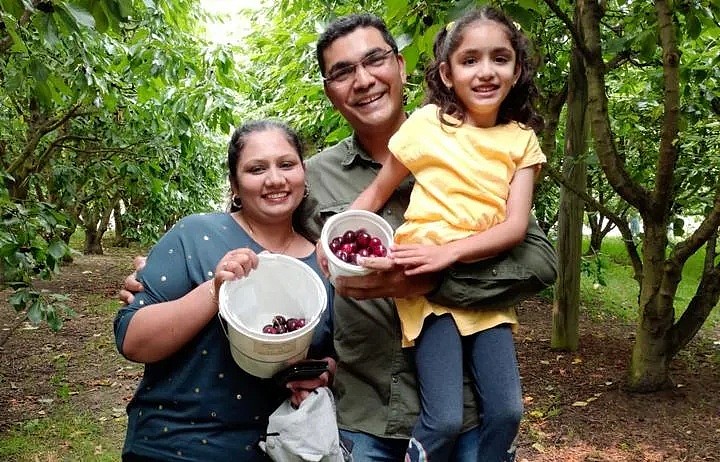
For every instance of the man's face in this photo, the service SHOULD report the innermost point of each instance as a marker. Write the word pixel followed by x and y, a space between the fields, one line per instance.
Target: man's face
pixel 371 97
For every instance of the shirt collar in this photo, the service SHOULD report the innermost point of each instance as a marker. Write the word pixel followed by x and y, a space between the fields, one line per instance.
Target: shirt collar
pixel 355 153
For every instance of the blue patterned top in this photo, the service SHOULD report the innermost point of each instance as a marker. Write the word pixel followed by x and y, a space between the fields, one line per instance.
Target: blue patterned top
pixel 198 405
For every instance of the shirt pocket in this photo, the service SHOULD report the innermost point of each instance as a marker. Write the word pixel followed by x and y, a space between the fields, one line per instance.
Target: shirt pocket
pixel 333 209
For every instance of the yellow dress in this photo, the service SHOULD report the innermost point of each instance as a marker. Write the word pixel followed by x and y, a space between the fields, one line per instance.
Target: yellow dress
pixel 462 179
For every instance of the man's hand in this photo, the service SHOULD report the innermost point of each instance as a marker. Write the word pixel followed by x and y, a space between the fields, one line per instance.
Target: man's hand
pixel 131 285
pixel 388 280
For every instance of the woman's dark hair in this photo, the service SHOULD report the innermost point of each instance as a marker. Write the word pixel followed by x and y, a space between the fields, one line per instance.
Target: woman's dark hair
pixel 518 105
pixel 238 141
pixel 347 25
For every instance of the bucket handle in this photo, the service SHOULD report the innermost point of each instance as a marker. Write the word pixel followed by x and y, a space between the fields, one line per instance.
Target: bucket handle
pixel 222 326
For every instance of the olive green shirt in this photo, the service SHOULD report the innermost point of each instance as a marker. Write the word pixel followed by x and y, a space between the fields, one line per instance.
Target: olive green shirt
pixel 375 386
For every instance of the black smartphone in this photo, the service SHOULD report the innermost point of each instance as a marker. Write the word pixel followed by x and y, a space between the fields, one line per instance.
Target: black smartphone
pixel 306 369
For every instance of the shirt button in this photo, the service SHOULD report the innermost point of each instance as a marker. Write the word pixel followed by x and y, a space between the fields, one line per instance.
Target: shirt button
pixel 494 272
pixel 395 379
pixel 388 212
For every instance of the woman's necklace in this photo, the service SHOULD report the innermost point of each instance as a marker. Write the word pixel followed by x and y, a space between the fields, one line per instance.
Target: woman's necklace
pixel 255 237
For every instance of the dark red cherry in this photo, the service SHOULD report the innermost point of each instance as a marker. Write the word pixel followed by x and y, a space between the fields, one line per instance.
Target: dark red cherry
pixel 366 252
pixel 300 323
pixel 379 251
pixel 348 237
pixel 349 247
pixel 375 241
pixel 352 258
pixel 268 329
pixel 335 244
pixel 362 238
pixel 342 255
pixel 292 324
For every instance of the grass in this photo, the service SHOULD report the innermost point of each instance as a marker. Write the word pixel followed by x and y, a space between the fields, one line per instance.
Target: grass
pixel 617 298
pixel 65 435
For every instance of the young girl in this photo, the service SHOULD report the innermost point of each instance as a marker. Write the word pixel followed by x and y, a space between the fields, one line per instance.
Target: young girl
pixel 474 156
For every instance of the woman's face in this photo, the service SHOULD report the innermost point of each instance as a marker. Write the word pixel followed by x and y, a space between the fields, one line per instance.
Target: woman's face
pixel 270 177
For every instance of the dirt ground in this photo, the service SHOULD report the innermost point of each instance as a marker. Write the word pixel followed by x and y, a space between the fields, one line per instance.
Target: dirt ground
pixel 576 408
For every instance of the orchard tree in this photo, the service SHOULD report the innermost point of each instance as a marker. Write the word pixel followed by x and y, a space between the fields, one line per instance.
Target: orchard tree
pixel 105 103
pixel 674 53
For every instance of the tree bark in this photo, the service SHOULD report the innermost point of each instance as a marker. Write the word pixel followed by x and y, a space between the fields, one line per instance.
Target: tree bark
pixel 566 306
pixel 93 241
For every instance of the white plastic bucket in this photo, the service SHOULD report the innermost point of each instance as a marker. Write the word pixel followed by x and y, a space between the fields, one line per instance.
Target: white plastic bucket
pixel 280 285
pixel 353 220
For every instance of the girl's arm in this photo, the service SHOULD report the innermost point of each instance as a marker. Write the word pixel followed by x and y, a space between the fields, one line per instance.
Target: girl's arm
pixel 392 173
pixel 493 241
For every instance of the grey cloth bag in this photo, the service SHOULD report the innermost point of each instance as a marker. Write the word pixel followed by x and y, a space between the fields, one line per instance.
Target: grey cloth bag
pixel 306 434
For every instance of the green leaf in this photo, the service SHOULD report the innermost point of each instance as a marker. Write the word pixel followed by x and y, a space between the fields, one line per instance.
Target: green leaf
pixel 18 45
pixel 80 15
pixel 35 312
pixel 14 7
pixel 100 17
pixel 693 25
pixel 19 299
pixel 57 249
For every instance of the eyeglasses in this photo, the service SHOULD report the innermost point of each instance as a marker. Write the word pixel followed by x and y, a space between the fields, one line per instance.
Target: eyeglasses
pixel 374 60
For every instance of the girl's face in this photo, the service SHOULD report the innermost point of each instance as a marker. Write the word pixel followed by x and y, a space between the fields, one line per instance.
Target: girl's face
pixel 482 71
pixel 270 177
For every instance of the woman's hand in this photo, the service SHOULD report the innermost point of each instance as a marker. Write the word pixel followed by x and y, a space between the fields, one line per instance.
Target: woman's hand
pixel 301 389
pixel 233 265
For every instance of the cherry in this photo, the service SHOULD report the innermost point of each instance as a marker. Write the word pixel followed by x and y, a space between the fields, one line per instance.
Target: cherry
pixel 278 320
pixel 379 250
pixel 365 252
pixel 374 242
pixel 292 324
pixel 336 243
pixel 350 247
pixel 280 325
pixel 348 237
pixel 362 238
pixel 342 255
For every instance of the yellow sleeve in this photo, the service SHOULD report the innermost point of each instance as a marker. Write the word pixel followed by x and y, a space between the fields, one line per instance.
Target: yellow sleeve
pixel 406 143
pixel 533 155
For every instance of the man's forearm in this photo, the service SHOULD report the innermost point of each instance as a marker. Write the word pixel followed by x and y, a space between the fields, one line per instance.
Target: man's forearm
pixel 502 281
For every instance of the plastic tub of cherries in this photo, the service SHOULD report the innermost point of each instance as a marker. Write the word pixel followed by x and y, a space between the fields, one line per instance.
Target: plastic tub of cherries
pixel 354 233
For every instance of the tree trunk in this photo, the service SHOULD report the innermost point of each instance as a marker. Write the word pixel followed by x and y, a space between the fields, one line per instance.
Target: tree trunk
pixel 566 307
pixel 651 356
pixel 93 241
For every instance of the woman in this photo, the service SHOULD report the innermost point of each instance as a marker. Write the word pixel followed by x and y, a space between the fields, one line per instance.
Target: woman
pixel 194 403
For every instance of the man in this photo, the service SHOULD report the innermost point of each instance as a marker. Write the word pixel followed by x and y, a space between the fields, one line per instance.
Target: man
pixel 375 387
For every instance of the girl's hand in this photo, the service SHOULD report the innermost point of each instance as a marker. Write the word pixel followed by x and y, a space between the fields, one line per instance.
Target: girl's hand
pixel 233 265
pixel 420 259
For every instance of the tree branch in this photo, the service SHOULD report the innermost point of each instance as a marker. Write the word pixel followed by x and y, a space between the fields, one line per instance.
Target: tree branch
pixel 702 234
pixel 616 219
pixel 604 140
pixel 668 152
pixel 569 25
